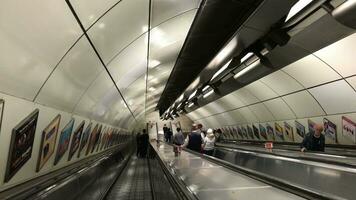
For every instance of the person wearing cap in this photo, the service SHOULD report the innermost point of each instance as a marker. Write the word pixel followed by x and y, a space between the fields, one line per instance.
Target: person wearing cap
pixel 209 142
pixel 314 141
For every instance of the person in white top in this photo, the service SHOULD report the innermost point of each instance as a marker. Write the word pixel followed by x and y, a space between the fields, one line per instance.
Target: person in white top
pixel 209 142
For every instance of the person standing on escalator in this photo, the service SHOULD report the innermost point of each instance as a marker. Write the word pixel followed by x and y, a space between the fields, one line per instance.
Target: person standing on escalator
pixel 209 143
pixel 314 141
pixel 194 141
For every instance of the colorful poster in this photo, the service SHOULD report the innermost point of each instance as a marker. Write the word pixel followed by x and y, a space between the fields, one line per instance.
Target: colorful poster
pixel 263 131
pixel 74 146
pixel 270 131
pixel 93 135
pixel 97 139
pixel 279 131
pixel 311 125
pixel 48 142
pixel 349 128
pixel 250 132
pixel 256 132
pixel 330 130
pixel 21 144
pixel 64 140
pixel 289 131
pixel 85 137
pixel 300 129
pixel 239 132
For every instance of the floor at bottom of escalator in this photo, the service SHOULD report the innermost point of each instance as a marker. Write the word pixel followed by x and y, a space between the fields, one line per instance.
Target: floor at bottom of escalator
pixel 133 183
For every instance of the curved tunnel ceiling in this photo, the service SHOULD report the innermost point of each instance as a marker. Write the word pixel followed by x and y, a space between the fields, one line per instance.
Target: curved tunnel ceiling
pixel 46 57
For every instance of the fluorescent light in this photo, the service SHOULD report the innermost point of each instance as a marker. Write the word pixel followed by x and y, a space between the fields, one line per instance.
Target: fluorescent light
pixel 153 63
pixel 179 105
pixel 192 95
pixel 205 88
pixel 246 69
pixel 246 57
pixel 101 25
pixel 191 105
pixel 297 7
pixel 181 97
pixel 208 93
pixel 221 70
pixel 144 28
pixel 151 89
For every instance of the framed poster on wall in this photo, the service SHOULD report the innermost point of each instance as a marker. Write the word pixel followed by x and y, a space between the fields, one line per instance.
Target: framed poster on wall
pixel 289 130
pixel 263 131
pixel 349 128
pixel 21 144
pixel 244 132
pixel 300 129
pixel 74 146
pixel 92 139
pixel 250 132
pixel 85 137
pixel 48 142
pixel 270 131
pixel 279 131
pixel 330 130
pixel 2 104
pixel 98 138
pixel 256 132
pixel 64 140
pixel 239 132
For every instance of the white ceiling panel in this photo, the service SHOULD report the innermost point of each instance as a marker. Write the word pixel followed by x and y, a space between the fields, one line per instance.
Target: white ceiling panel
pixel 352 81
pixel 119 27
pixel 163 10
pixel 279 109
pixel 32 43
pixel 90 11
pixel 303 104
pixel 336 97
pixel 214 107
pixel 341 55
pixel 248 115
pixel 238 117
pixel 135 95
pixel 262 113
pixel 130 64
pixel 281 83
pixel 245 96
pixel 311 71
pixel 228 118
pixel 261 91
pixel 71 78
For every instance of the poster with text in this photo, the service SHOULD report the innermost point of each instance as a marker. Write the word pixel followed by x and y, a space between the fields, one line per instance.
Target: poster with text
pixel 244 132
pixel 64 140
pixel 330 130
pixel 77 134
pixel 250 132
pixel 349 128
pixel 270 131
pixel 311 125
pixel 239 132
pixel 21 144
pixel 279 131
pixel 263 131
pixel 97 139
pixel 85 138
pixel 300 129
pixel 48 142
pixel 289 131
pixel 256 132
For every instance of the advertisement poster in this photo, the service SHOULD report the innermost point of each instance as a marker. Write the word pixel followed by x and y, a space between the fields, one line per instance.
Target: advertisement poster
pixel 2 103
pixel 92 137
pixel 21 144
pixel 239 132
pixel 64 140
pixel 85 137
pixel 289 130
pixel 349 128
pixel 97 139
pixel 250 132
pixel 311 125
pixel 244 132
pixel 263 132
pixel 270 131
pixel 279 131
pixel 300 129
pixel 330 130
pixel 256 132
pixel 74 146
pixel 48 142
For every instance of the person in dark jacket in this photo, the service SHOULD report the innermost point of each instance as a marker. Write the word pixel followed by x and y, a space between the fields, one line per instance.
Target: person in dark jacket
pixel 194 140
pixel 314 141
pixel 143 143
pixel 165 132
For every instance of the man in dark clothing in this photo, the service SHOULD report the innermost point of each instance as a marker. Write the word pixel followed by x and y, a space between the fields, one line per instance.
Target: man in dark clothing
pixel 138 145
pixel 194 140
pixel 144 143
pixel 165 132
pixel 314 141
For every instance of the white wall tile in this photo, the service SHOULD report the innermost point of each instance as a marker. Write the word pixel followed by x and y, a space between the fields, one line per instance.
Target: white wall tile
pixel 352 81
pixel 281 83
pixel 303 104
pixel 261 112
pixel 261 91
pixel 279 109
